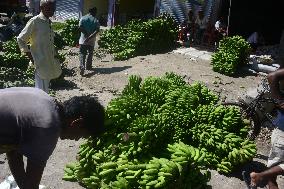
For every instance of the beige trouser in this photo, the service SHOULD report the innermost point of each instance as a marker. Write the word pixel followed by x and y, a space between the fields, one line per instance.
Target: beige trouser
pixel 276 155
pixel 42 84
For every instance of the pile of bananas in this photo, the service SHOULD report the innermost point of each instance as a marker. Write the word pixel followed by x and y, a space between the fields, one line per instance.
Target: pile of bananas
pixel 12 56
pixel 14 67
pixel 139 38
pixel 15 77
pixel 11 46
pixel 231 54
pixel 163 133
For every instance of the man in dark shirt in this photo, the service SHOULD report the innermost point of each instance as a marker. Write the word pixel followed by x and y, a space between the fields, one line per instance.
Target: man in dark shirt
pixel 31 123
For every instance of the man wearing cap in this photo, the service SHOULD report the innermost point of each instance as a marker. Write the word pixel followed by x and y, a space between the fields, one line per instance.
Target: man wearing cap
pixel 37 41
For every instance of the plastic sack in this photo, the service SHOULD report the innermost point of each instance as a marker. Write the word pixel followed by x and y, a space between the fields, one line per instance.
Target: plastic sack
pixel 10 183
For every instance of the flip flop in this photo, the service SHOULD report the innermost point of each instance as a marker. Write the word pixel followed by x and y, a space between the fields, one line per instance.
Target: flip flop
pixel 247 179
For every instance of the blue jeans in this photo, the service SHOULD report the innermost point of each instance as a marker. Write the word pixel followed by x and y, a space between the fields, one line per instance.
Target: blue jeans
pixel 84 50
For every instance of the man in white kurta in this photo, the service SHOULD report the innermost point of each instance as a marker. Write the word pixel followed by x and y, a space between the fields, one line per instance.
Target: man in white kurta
pixel 37 41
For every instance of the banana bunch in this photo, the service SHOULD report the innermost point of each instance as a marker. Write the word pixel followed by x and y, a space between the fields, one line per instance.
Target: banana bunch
pixel 207 135
pixel 125 108
pixel 130 171
pixel 120 183
pixel 225 166
pixel 155 89
pixel 146 119
pixel 205 95
pixel 107 170
pixel 159 173
pixel 69 172
pixel 232 52
pixel 189 172
pixel 202 113
pixel 196 88
pixel 232 140
pixel 243 154
pixel 93 181
pixel 173 116
pixel 142 136
pixel 174 79
pixel 232 120
pixel 244 130
pixel 133 85
pixel 85 154
pixel 216 116
pixel 184 154
pixel 182 97
pixel 211 159
pixel 181 133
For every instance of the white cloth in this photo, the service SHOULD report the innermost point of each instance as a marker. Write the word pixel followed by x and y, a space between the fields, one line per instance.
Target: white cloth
pixel 276 155
pixel 42 84
pixel 39 34
pixel 217 25
pixel 10 183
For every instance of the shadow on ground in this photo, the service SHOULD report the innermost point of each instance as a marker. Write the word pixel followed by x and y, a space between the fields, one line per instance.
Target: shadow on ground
pixel 243 72
pixel 253 166
pixel 106 70
pixel 63 84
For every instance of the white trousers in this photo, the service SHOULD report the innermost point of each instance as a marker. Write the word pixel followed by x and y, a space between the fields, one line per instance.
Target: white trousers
pixel 42 84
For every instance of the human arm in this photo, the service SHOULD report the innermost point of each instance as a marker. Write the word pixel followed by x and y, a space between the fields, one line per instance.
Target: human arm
pixel 82 29
pixel 273 79
pixel 24 38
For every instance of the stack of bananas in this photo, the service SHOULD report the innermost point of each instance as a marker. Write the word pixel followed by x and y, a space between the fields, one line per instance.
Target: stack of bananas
pixel 163 133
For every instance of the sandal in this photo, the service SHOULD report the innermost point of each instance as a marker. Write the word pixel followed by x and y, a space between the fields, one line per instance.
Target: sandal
pixel 247 179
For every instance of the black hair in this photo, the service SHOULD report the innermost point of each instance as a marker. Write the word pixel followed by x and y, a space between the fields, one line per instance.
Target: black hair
pixel 93 10
pixel 90 109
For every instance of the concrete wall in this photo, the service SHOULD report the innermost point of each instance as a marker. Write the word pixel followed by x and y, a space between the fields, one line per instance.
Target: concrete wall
pixel 136 6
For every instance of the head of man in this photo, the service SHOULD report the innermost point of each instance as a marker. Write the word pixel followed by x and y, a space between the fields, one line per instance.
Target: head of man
pixel 84 117
pixel 93 11
pixel 47 7
pixel 201 14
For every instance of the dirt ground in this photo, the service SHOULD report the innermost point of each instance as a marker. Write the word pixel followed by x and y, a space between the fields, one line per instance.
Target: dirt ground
pixel 109 77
